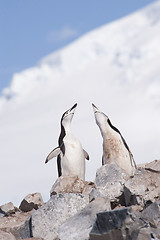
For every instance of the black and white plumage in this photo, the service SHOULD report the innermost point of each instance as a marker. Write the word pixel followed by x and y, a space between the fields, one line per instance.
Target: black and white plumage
pixel 70 154
pixel 115 148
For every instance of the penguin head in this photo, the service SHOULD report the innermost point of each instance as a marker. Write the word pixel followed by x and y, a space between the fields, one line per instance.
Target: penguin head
pixel 101 118
pixel 68 115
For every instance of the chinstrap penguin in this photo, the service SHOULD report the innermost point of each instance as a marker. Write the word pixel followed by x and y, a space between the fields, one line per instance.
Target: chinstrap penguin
pixel 70 154
pixel 115 148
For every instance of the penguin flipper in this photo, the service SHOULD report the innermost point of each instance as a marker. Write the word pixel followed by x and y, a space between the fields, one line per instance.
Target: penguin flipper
pixel 54 153
pixel 132 160
pixel 86 155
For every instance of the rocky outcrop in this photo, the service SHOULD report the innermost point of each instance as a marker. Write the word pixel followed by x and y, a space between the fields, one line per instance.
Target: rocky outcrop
pixel 114 207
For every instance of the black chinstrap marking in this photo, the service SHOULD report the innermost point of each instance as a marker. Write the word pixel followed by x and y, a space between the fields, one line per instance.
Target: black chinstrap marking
pixel 113 127
pixel 123 140
pixel 116 129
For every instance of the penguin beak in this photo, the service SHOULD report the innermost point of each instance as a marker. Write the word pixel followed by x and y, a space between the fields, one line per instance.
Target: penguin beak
pixel 72 109
pixel 95 109
pixel 69 113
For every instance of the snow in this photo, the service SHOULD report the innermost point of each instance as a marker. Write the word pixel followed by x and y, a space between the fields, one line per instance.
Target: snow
pixel 117 68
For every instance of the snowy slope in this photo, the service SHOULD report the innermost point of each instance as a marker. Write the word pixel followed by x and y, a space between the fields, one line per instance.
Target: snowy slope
pixel 117 68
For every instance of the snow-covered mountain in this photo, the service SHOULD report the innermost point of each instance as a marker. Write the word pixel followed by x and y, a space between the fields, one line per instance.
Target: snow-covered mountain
pixel 117 68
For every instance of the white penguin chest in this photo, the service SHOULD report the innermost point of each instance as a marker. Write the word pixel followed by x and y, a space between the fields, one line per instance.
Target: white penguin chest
pixel 73 160
pixel 73 148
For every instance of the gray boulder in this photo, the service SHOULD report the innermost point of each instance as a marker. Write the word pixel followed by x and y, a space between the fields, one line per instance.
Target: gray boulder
pixel 145 185
pixel 46 221
pixel 80 225
pixel 31 201
pixel 151 214
pixel 121 224
pixel 109 182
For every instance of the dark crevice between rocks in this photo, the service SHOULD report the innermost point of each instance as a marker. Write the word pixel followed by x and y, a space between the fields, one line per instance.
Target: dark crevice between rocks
pixel 147 203
pixel 1 212
pixel 152 170
pixel 30 227
pixel 152 236
pixel 114 204
pixel 126 199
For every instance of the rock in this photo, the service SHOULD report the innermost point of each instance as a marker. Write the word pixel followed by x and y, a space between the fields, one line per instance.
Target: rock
pixel 80 225
pixel 151 214
pixel 88 188
pixel 109 182
pixel 70 184
pixel 127 198
pixel 153 166
pixel 94 194
pixel 18 224
pixel 31 201
pixel 145 185
pixel 8 209
pixel 119 224
pixel 46 220
pixel 144 234
pixel 6 236
pixel 137 210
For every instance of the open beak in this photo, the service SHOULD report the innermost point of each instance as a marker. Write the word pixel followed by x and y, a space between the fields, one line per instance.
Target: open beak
pixel 72 109
pixel 95 109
